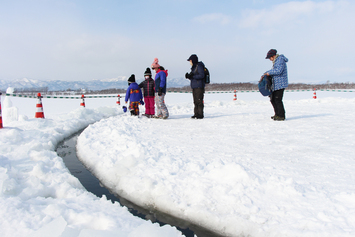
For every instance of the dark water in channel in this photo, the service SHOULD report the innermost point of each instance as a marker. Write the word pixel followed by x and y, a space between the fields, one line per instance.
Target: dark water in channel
pixel 67 150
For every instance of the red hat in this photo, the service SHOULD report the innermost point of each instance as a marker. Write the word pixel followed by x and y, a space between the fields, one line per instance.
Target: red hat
pixel 155 64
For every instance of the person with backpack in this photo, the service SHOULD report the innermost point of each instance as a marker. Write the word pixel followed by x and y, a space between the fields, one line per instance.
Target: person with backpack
pixel 278 84
pixel 197 83
pixel 160 89
pixel 148 86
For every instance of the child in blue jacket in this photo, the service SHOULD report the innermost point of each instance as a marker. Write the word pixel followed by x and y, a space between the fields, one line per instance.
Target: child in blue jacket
pixel 134 95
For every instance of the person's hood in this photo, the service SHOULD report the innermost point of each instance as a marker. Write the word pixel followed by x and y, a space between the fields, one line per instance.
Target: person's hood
pixel 165 71
pixel 195 65
pixel 134 84
pixel 193 58
pixel 282 57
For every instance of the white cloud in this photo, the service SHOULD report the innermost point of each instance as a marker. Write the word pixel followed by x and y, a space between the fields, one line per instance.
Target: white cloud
pixel 286 12
pixel 213 17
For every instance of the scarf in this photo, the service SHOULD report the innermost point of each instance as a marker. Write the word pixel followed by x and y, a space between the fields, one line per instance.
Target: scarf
pixel 276 56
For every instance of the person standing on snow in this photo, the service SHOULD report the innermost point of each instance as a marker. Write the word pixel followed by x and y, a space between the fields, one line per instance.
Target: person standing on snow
pixel 197 82
pixel 279 82
pixel 134 95
pixel 160 90
pixel 148 86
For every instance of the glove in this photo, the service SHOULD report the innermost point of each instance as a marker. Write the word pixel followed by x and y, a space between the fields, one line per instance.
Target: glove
pixel 160 92
pixel 189 76
pixel 141 102
pixel 124 109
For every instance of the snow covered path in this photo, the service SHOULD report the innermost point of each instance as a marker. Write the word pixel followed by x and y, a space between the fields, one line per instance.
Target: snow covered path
pixel 236 171
pixel 38 195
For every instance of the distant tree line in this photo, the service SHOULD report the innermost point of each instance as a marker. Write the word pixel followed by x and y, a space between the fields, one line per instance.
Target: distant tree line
pixel 242 86
pixel 107 91
pixel 45 91
pixel 30 90
pixel 210 87
pixel 327 86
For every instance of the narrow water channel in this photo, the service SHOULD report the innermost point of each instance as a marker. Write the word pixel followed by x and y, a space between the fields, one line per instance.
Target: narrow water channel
pixel 67 150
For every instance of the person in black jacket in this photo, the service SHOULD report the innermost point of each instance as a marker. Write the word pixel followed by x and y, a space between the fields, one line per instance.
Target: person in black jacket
pixel 197 83
pixel 148 86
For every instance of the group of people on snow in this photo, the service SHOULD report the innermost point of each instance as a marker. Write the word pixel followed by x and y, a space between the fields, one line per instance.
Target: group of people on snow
pixel 154 90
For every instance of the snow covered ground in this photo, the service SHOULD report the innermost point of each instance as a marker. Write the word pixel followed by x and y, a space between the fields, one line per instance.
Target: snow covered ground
pixel 38 195
pixel 236 172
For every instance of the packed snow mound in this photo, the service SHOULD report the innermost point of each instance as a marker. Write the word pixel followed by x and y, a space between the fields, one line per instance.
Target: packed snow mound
pixel 38 195
pixel 236 172
pixel 252 175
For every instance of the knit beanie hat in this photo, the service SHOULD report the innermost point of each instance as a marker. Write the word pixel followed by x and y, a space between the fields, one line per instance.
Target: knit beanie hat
pixel 271 53
pixel 193 58
pixel 147 72
pixel 131 79
pixel 155 64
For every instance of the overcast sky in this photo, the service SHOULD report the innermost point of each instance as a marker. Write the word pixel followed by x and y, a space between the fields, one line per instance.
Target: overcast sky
pixel 104 39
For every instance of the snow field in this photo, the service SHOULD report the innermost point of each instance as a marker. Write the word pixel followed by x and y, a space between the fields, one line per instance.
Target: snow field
pixel 221 171
pixel 38 195
pixel 236 171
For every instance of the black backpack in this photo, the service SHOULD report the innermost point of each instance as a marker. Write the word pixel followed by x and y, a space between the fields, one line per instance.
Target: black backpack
pixel 207 76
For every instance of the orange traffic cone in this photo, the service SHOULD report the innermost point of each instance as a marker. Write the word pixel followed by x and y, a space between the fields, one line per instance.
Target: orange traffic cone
pixel 314 94
pixel 118 100
pixel 82 101
pixel 39 108
pixel 0 113
pixel 235 95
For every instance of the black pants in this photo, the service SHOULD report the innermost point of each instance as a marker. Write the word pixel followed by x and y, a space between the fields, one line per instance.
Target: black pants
pixel 276 101
pixel 198 94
